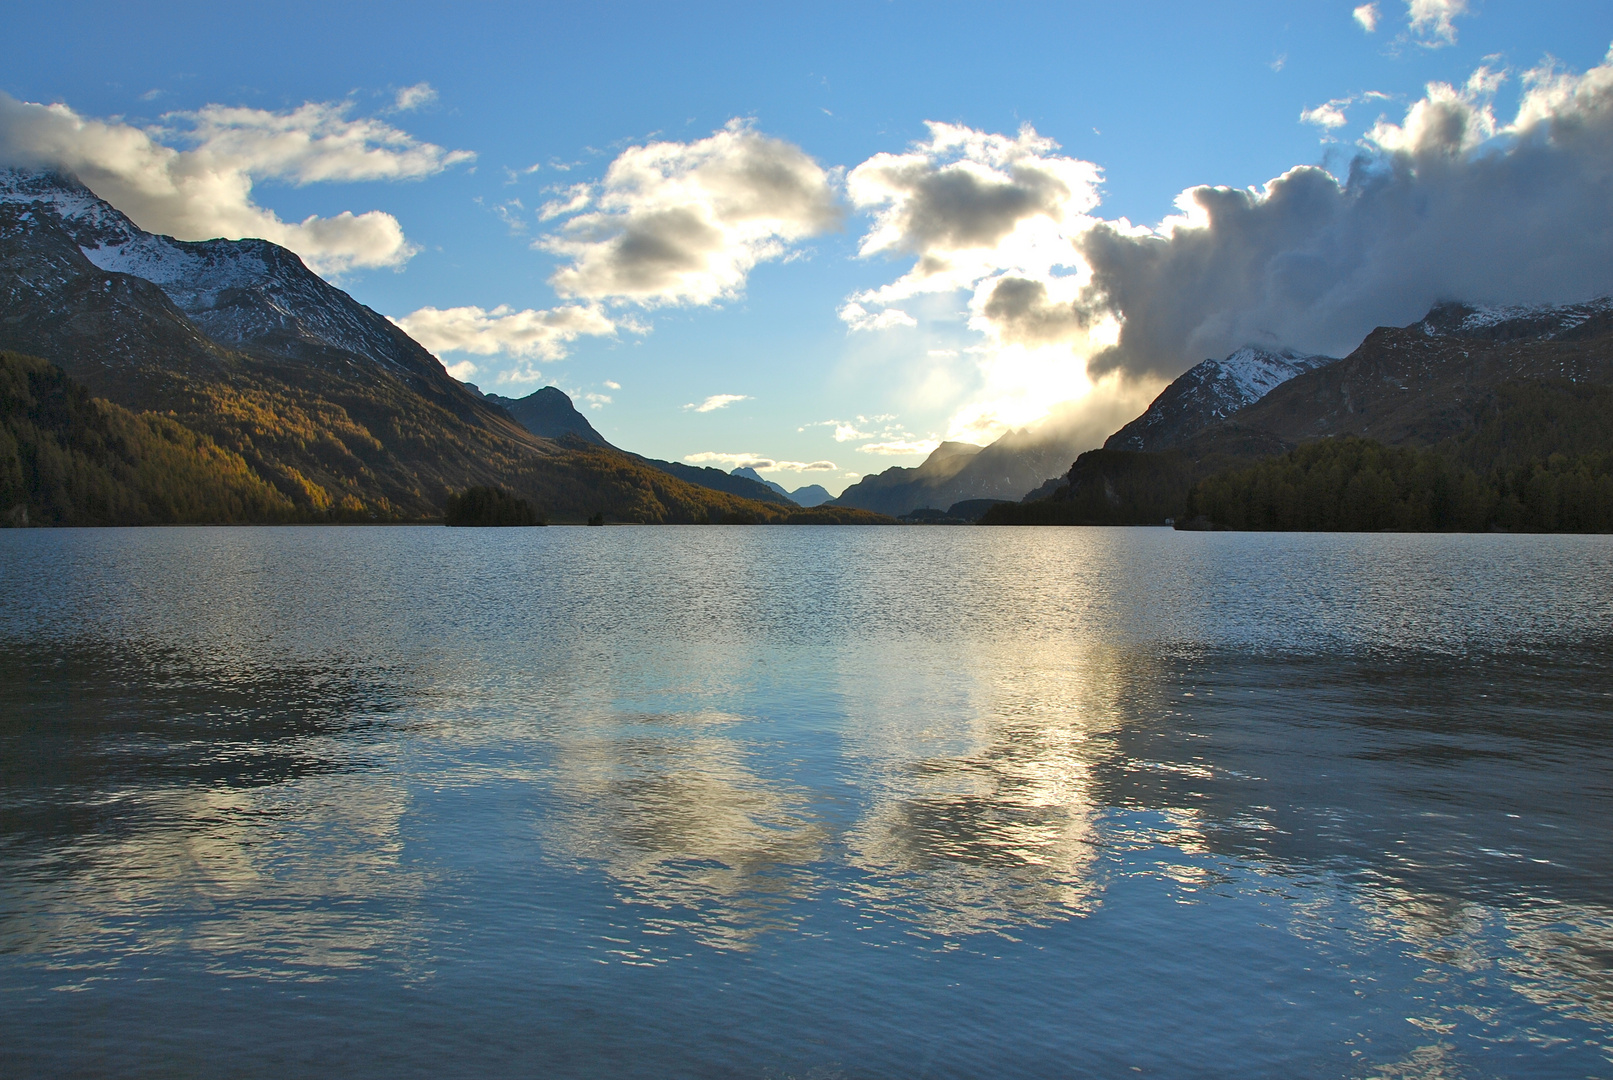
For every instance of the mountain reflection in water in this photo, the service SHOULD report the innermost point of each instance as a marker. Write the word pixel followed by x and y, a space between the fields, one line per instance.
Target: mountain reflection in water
pixel 732 801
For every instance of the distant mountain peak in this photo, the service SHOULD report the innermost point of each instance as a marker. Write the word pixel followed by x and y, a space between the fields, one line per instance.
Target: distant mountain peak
pixel 958 471
pixel 549 413
pixel 1210 392
pixel 751 474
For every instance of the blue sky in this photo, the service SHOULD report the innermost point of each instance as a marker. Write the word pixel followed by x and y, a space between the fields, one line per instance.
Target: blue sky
pixel 1142 102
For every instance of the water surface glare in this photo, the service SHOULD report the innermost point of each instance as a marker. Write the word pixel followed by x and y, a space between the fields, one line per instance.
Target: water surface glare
pixel 804 802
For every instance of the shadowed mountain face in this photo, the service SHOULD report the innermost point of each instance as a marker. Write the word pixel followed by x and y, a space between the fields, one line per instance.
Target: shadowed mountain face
pixel 811 495
pixel 1491 387
pixel 717 480
pixel 748 473
pixel 898 490
pixel 1018 462
pixel 327 401
pixel 1209 393
pixel 1420 384
pixel 550 414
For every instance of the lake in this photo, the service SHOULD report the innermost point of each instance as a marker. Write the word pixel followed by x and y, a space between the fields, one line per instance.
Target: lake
pixel 804 802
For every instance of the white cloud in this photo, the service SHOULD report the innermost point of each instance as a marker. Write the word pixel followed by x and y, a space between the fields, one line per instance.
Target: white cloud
pixel 732 461
pixel 414 97
pixel 1367 17
pixel 852 430
pixel 1446 120
pixel 685 223
pixel 997 217
pixel 204 190
pixel 967 204
pixel 716 401
pixel 513 213
pixel 527 333
pixel 1432 22
pixel 611 384
pixel 464 371
pixel 1329 115
pixel 899 447
pixel 1452 202
pixel 758 462
pixel 859 318
pixel 572 199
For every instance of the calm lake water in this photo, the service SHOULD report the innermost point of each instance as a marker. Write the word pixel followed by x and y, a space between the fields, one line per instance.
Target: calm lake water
pixel 804 802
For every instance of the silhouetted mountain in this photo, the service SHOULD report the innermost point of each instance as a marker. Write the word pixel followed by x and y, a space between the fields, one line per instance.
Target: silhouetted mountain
pixel 717 480
pixel 811 495
pixel 1016 463
pixel 749 473
pixel 898 490
pixel 550 414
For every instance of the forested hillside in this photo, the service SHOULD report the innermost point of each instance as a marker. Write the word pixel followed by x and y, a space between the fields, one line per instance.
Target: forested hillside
pixel 1539 459
pixel 69 459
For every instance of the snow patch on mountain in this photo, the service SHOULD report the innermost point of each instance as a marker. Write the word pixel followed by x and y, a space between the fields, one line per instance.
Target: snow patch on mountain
pixel 1515 321
pixel 240 292
pixel 1253 372
pixel 1209 392
pixel 91 219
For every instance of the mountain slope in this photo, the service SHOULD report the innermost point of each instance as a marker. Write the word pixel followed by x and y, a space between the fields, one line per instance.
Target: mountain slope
pixel 898 490
pixel 811 495
pixel 1211 392
pixel 326 400
pixel 717 480
pixel 806 495
pixel 745 472
pixel 1419 384
pixel 1538 458
pixel 549 413
pixel 69 459
pixel 1016 463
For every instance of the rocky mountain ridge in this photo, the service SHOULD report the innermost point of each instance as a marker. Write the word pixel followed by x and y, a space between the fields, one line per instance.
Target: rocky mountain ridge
pixel 1210 392
pixel 548 413
pixel 1429 385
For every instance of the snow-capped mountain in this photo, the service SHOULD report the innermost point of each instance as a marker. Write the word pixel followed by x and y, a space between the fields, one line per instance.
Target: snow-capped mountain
pixel 1536 322
pixel 328 400
pixel 1210 392
pixel 248 294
